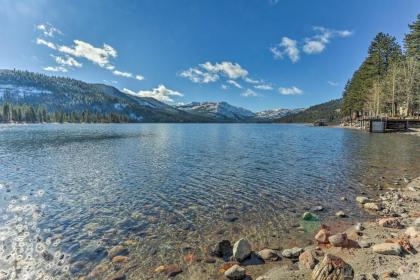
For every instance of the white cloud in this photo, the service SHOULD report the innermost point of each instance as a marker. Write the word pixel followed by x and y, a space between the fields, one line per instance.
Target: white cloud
pixel 48 30
pixel 290 91
pixel 287 47
pixel 249 93
pixel 224 87
pixel 317 43
pixel 99 56
pixel 160 93
pixel 312 47
pixel 122 74
pixel 51 45
pixel 229 69
pixel 234 83
pixel 67 61
pixel 195 75
pixel 55 69
pixel 331 83
pixel 251 81
pixel 127 75
pixel 263 87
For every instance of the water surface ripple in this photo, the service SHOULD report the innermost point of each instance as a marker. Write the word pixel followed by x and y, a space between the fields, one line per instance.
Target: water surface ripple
pixel 70 192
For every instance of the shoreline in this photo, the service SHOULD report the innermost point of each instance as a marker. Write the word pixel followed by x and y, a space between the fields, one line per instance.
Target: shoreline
pixel 397 226
pixel 386 246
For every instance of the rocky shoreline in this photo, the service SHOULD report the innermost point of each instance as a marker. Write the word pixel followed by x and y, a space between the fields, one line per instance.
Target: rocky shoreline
pixel 385 248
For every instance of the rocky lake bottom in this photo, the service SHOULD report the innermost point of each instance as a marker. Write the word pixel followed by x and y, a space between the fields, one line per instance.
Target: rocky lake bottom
pixel 73 197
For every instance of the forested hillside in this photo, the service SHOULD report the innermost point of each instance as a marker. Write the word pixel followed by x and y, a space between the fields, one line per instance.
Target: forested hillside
pixel 31 97
pixel 387 84
pixel 328 111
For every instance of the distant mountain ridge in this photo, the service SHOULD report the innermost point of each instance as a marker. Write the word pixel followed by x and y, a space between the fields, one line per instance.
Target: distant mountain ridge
pixel 221 111
pixel 70 96
pixel 276 113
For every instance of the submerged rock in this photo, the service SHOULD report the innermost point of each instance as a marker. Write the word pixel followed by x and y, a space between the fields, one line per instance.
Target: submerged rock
pixel 317 208
pixel 362 199
pixel 209 260
pixel 387 249
pixel 372 206
pixel 332 267
pixel 341 214
pixel 47 256
pixel 118 250
pixel 222 249
pixel 117 276
pixel 120 259
pixel 241 249
pixel 308 216
pixel 235 272
pixel 190 258
pixel 171 270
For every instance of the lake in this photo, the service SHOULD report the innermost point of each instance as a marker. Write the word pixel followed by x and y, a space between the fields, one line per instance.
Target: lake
pixel 70 192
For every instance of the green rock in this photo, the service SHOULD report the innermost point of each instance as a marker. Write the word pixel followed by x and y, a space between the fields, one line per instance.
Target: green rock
pixel 308 216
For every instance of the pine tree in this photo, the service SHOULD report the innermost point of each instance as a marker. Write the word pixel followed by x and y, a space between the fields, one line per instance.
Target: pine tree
pixel 412 39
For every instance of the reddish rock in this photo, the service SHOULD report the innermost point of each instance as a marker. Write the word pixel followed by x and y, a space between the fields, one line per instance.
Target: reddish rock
pixel 307 260
pixel 209 260
pixel 322 236
pixel 190 258
pixel 390 223
pixel 119 259
pixel 226 266
pixel 332 267
pixel 171 270
pixel 118 250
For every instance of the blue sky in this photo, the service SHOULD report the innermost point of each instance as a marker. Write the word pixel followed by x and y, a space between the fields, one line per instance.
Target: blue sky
pixel 258 54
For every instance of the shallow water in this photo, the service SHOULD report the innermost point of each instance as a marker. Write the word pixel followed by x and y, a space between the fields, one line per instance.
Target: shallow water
pixel 70 192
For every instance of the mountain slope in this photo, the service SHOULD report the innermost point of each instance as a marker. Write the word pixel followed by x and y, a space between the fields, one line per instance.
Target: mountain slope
pixel 220 111
pixel 329 111
pixel 69 95
pixel 271 115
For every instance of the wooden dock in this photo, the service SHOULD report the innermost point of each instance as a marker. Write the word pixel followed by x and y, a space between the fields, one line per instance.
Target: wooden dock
pixel 390 125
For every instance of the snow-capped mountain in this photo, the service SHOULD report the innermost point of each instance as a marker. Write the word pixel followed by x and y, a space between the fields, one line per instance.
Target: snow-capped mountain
pixel 218 110
pixel 276 113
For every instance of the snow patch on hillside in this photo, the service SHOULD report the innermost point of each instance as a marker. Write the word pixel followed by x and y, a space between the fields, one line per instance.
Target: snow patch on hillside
pixel 21 91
